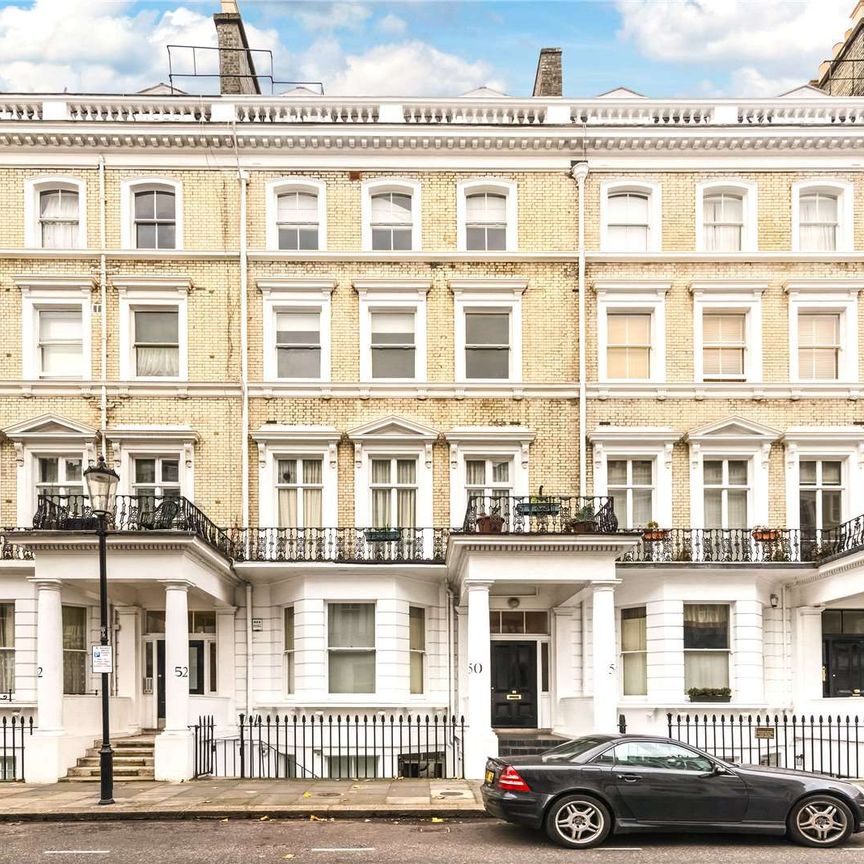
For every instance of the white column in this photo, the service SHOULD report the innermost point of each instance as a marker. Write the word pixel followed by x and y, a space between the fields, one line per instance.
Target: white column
pixel 604 659
pixel 807 654
pixel 749 683
pixel 562 657
pixel 226 653
pixel 174 745
pixel 44 762
pixel 480 741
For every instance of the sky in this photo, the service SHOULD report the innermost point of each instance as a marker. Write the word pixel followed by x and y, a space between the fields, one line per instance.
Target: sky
pixel 659 48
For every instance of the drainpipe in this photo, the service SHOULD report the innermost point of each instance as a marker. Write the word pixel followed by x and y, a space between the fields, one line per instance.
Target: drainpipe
pixel 103 304
pixel 579 171
pixel 451 684
pixel 243 177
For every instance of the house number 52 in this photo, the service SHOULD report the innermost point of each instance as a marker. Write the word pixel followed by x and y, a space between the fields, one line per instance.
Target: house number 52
pixel 181 671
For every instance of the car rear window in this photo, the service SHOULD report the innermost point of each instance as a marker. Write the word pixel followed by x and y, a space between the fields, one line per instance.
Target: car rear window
pixel 571 750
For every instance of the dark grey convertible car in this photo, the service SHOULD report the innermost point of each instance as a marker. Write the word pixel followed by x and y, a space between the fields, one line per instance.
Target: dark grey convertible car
pixel 587 788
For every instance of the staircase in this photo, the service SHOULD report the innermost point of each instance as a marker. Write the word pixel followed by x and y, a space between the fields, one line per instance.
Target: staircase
pixel 133 760
pixel 526 742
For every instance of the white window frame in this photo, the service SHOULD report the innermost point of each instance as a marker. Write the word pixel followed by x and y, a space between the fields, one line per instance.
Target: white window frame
pixel 730 297
pixel 379 186
pixel 47 435
pixel 845 224
pixel 10 649
pixel 637 297
pixel 148 294
pixel 295 295
pixel 289 655
pixel 490 186
pixel 277 442
pixel 835 443
pixel 731 632
pixel 128 188
pixel 622 652
pixel 275 188
pixel 486 442
pixel 299 486
pixel 640 443
pixel 424 652
pixel 655 212
pixel 374 649
pixel 725 486
pixel 839 297
pixel 383 295
pixel 84 651
pixel 732 438
pixel 38 293
pixel 33 188
pixel 129 442
pixel 746 189
pixel 396 438
pixel 488 295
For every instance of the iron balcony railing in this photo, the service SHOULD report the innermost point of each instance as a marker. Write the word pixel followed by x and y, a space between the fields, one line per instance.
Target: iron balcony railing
pixel 132 513
pixel 9 550
pixel 351 545
pixel 539 514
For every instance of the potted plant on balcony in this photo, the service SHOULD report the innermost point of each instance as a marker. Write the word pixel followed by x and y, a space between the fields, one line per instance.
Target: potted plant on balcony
pixel 709 694
pixel 490 523
pixel 763 534
pixel 539 505
pixel 582 521
pixel 653 533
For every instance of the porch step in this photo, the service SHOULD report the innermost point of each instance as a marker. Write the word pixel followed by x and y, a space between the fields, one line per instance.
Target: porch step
pixel 134 759
pixel 524 742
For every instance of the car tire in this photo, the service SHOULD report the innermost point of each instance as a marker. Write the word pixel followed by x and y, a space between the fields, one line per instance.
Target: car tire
pixel 821 821
pixel 578 822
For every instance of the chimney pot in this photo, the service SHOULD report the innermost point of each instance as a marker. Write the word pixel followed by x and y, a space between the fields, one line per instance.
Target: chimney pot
pixel 547 81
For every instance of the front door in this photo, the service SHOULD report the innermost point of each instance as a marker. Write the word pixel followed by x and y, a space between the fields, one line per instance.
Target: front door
pixel 160 683
pixel 514 684
pixel 844 666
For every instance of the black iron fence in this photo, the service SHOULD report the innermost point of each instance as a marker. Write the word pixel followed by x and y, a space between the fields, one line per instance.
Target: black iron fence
pixel 132 513
pixel 363 545
pixel 14 733
pixel 334 747
pixel 817 744
pixel 539 514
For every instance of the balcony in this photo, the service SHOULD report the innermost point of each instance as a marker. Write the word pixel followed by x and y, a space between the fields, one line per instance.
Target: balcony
pixel 539 514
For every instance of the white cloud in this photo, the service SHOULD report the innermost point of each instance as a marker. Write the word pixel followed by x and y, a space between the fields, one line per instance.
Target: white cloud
pixel 93 46
pixel 331 16
pixel 766 46
pixel 410 68
pixel 391 24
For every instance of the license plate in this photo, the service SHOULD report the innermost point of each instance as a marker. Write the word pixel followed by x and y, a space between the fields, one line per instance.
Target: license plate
pixel 490 777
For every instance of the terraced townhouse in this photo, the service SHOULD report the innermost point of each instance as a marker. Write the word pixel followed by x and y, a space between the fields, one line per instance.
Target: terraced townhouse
pixel 540 412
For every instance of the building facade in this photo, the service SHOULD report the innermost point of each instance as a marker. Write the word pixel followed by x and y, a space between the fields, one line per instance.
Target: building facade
pixel 376 374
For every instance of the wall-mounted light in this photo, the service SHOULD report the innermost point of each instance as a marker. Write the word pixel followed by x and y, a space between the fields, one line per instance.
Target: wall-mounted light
pixel 513 602
pixel 775 601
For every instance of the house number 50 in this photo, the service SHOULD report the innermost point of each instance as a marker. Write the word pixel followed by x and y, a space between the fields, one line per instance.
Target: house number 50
pixel 475 668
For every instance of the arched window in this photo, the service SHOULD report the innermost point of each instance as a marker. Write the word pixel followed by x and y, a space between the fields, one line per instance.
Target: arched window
pixel 54 214
pixel 486 215
pixel 630 217
pixel 154 211
pixel 391 216
pixel 296 215
pixel 822 217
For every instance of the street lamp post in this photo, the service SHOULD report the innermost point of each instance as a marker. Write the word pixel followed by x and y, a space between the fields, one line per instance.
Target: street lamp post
pixel 102 489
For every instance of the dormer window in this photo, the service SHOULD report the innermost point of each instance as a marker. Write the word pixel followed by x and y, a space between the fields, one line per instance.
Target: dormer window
pixel 391 216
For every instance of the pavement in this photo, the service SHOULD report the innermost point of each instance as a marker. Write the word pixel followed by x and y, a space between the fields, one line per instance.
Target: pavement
pixel 452 841
pixel 243 799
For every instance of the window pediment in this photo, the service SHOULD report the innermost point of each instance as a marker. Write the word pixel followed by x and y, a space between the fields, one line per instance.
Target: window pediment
pixel 49 427
pixel 392 429
pixel 733 430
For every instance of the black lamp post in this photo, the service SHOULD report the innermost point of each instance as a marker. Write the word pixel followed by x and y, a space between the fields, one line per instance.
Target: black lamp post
pixel 102 489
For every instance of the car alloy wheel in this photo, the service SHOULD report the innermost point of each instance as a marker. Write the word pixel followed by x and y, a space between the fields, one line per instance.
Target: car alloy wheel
pixel 578 821
pixel 821 821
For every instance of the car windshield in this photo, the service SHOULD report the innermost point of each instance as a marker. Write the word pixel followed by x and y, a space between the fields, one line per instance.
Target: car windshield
pixel 570 750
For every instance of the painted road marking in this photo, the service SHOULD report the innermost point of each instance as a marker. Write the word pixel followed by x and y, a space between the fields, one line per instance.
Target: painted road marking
pixel 77 851
pixel 618 849
pixel 344 849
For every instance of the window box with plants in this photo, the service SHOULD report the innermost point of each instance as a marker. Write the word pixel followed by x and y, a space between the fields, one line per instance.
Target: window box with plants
pixel 539 505
pixel 653 533
pixel 383 535
pixel 763 534
pixel 709 694
pixel 582 521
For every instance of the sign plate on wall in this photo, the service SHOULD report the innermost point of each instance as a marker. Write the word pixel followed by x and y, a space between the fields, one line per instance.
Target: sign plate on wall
pixel 257 625
pixel 764 733
pixel 102 659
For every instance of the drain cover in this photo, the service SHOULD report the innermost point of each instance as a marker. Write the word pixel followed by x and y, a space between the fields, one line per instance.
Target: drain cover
pixel 328 795
pixel 450 794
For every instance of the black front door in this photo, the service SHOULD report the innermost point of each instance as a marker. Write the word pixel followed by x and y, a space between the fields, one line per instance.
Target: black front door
pixel 844 666
pixel 160 682
pixel 514 684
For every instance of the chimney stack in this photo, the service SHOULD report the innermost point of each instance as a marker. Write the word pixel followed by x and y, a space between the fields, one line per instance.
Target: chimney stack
pixel 236 70
pixel 547 81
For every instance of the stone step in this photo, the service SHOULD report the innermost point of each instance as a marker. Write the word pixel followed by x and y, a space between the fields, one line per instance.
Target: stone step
pixel 138 772
pixel 124 752
pixel 124 761
pixel 147 741
pixel 144 775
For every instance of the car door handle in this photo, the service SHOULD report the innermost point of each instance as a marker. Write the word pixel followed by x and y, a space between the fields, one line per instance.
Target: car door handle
pixel 629 778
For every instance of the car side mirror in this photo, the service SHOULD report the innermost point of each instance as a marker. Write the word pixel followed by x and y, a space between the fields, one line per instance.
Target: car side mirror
pixel 716 770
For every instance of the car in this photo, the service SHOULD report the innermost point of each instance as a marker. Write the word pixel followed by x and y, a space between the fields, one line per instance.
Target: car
pixel 585 789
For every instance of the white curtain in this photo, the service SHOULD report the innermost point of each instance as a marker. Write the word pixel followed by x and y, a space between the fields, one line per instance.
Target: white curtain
pixel 406 499
pixel 7 646
pixel 818 222
pixel 723 216
pixel 627 222
pixel 288 508
pixel 59 218
pixel 351 626
pixel 312 497
pixel 74 655
pixel 634 639
pixel 157 362
pixel 380 469
pixel 485 208
pixel 706 669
